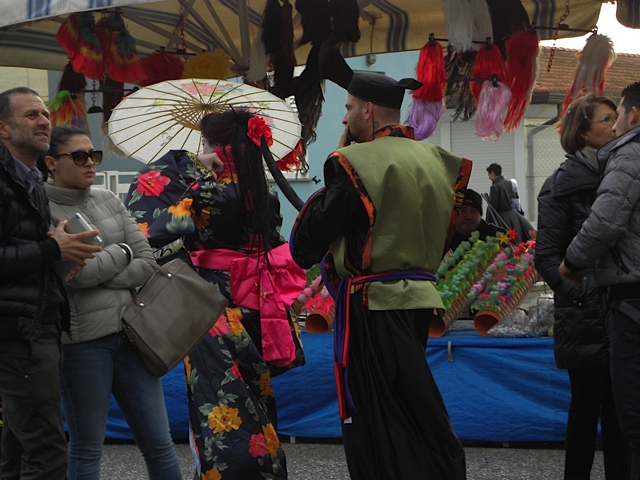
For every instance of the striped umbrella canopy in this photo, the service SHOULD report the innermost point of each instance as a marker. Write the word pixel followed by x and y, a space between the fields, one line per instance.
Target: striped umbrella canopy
pixel 28 27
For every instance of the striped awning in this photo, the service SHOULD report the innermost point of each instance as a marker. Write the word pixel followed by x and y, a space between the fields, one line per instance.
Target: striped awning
pixel 28 27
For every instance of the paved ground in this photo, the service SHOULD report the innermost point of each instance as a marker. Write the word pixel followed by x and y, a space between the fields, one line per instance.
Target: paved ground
pixel 325 461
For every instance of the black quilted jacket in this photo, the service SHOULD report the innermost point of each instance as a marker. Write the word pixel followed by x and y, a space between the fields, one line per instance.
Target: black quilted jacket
pixel 31 294
pixel 564 203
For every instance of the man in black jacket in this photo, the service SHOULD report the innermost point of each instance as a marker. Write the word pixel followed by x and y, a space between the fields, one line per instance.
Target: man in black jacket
pixel 33 307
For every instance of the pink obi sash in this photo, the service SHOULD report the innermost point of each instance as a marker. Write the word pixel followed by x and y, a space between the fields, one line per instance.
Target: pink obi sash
pixel 255 287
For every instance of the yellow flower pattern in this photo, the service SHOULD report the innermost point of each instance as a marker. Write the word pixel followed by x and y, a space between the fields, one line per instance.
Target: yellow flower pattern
pixel 182 209
pixel 224 419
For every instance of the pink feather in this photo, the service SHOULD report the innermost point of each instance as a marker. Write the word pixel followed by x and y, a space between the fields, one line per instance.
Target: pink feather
pixel 424 117
pixel 492 103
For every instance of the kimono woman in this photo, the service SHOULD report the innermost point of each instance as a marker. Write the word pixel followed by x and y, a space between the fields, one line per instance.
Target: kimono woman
pixel 221 205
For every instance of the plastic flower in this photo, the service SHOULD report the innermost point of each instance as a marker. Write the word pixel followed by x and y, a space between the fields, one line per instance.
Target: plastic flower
pixel 224 419
pixel 256 129
pixel 152 183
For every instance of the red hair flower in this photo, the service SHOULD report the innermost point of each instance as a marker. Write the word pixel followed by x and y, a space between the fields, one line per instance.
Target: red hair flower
pixel 256 129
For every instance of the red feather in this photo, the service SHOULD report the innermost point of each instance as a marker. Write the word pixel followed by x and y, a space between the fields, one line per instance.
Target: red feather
pixel 431 72
pixel 488 62
pixel 161 66
pixel 522 50
pixel 121 56
pixel 77 36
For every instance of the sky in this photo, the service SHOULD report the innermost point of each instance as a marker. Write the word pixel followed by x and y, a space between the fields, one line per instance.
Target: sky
pixel 625 40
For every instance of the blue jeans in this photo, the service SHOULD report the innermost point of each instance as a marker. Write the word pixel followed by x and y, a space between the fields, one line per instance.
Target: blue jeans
pixel 90 372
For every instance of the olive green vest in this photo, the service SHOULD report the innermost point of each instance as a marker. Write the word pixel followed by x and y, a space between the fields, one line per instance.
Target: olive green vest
pixel 411 186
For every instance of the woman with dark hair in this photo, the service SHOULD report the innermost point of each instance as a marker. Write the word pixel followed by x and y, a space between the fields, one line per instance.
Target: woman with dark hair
pixel 99 360
pixel 221 206
pixel 580 335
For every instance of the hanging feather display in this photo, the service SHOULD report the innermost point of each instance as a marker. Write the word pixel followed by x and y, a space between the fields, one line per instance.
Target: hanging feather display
pixel 482 24
pixel 258 60
pixel 460 57
pixel 315 20
pixel 507 17
pixel 459 68
pixel 345 15
pixel 277 37
pixel 593 62
pixel 68 108
pixel 493 100
pixel 112 93
pixel 161 66
pixel 428 101
pixel 122 62
pixel 78 37
pixel 309 95
pixel 522 50
pixel 459 24
pixel 488 62
pixel 215 64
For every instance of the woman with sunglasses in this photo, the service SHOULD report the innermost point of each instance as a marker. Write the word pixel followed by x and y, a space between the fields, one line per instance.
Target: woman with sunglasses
pixel 581 342
pixel 98 358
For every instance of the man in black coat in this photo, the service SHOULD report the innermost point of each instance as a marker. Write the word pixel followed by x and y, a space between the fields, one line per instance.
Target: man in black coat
pixel 33 307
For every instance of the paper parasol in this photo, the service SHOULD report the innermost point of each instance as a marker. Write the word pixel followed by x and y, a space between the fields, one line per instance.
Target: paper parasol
pixel 166 116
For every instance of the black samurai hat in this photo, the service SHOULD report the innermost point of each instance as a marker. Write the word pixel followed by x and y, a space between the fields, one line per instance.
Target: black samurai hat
pixel 380 89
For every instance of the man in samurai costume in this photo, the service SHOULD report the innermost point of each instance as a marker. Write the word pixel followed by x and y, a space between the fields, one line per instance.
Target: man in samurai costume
pixel 382 219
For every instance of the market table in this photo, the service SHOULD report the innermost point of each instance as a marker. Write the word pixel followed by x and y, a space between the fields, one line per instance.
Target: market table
pixel 495 389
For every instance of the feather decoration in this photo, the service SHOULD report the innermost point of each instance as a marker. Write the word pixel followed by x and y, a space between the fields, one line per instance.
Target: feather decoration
pixel 428 101
pixel 215 64
pixel 593 62
pixel 272 27
pixel 161 66
pixel 121 55
pixel 459 67
pixel 424 117
pixel 459 24
pixel 258 60
pixel 112 93
pixel 315 20
pixel 507 17
pixel 309 95
pixel 68 108
pixel 78 37
pixel 493 101
pixel 345 15
pixel 488 62
pixel 482 24
pixel 521 70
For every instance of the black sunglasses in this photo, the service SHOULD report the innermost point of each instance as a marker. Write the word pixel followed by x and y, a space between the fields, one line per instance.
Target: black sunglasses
pixel 80 157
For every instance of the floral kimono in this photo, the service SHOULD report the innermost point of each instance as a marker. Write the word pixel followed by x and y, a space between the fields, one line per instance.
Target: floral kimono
pixel 230 400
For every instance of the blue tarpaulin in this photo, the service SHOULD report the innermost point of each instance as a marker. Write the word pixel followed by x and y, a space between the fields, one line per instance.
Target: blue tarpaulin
pixel 495 389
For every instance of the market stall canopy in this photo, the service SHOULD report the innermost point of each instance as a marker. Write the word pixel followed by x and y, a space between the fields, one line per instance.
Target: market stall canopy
pixel 28 27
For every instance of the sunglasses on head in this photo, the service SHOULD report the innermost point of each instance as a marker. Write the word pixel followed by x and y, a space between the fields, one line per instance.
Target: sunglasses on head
pixel 80 157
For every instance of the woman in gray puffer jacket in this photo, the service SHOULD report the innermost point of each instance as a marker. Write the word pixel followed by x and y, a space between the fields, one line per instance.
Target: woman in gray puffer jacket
pixel 580 337
pixel 98 359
